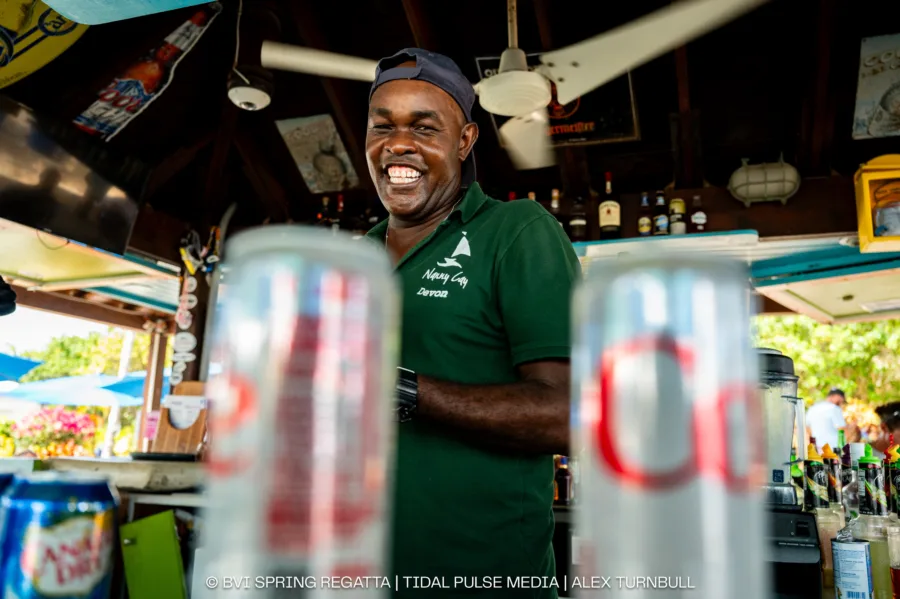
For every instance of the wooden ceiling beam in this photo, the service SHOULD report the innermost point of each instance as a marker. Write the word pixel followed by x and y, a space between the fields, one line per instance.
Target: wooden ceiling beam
pixel 311 33
pixel 61 303
pixel 217 173
pixel 769 306
pixel 175 163
pixel 264 181
pixel 157 235
pixel 423 33
pixel 817 126
pixel 542 16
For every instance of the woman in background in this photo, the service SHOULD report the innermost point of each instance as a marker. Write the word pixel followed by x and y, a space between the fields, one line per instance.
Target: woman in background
pixel 890 425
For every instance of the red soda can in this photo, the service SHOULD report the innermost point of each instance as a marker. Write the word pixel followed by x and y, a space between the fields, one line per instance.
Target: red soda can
pixel 302 430
pixel 666 422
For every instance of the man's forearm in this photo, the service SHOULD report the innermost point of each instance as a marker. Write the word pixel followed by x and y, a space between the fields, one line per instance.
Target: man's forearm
pixel 527 416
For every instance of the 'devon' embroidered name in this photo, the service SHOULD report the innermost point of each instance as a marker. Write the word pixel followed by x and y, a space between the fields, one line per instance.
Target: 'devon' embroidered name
pixel 432 292
pixel 433 275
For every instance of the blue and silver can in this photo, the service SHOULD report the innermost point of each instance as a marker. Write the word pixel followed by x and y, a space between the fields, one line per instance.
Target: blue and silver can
pixel 59 530
pixel 6 480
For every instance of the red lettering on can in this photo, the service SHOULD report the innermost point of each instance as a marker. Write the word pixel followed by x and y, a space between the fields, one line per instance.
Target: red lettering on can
pixel 709 431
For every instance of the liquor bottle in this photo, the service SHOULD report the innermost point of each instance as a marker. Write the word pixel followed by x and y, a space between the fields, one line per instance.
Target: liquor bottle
pixel 511 196
pixel 698 216
pixel 554 207
pixel 645 216
pixel 564 483
pixel 610 213
pixel 660 215
pixel 323 218
pixel 677 226
pixel 336 221
pixel 578 221
pixel 532 196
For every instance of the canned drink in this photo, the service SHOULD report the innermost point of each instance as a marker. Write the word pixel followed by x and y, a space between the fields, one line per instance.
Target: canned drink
pixel 302 430
pixel 6 480
pixel 853 569
pixel 666 415
pixel 59 531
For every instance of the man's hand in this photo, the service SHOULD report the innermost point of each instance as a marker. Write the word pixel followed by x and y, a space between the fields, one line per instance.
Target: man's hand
pixel 7 298
pixel 529 416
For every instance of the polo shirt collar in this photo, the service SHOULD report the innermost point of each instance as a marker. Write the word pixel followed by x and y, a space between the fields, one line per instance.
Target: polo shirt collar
pixel 467 209
pixel 471 202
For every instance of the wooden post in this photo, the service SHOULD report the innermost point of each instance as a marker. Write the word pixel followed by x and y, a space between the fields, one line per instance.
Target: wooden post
pixel 153 388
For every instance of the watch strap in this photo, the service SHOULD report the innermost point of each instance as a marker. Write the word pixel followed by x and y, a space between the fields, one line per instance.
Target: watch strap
pixel 407 394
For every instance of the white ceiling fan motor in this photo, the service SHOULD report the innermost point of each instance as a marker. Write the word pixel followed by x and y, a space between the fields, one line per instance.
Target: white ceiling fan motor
pixel 514 90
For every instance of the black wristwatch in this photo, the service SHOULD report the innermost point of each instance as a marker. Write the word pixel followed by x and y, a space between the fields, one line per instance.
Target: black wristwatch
pixel 407 394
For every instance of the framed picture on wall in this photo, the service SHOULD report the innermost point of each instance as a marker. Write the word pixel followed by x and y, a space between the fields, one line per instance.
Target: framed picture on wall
pixel 319 153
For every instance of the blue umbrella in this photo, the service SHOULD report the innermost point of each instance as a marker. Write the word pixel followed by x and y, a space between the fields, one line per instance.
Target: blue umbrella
pixel 12 368
pixel 132 384
pixel 87 390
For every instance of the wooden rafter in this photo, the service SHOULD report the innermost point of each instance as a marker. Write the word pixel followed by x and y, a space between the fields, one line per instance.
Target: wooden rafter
pixel 423 34
pixel 817 126
pixel 89 307
pixel 310 31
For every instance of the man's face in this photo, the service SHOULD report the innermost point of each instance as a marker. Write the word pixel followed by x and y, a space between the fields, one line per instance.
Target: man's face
pixel 416 141
pixel 836 399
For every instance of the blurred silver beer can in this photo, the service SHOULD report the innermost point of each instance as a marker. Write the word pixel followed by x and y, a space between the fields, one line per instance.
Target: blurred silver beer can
pixel 302 428
pixel 666 421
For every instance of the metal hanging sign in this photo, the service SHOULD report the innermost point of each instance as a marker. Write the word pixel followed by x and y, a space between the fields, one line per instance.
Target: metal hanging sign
pixel 129 94
pixel 32 35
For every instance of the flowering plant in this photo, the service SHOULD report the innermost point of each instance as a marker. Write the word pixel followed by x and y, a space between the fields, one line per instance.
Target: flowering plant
pixel 55 431
pixel 7 443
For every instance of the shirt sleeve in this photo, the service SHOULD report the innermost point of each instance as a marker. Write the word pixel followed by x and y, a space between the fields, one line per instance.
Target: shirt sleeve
pixel 838 418
pixel 536 275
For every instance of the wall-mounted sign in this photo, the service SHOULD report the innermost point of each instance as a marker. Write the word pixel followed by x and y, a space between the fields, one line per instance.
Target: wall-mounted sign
pixel 184 343
pixel 606 115
pixel 129 94
pixel 319 153
pixel 32 35
pixel 878 93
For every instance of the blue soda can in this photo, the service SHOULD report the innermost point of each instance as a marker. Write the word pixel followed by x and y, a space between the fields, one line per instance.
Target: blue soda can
pixel 5 481
pixel 59 530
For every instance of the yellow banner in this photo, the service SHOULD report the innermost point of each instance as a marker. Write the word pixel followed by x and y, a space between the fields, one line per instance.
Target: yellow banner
pixel 32 35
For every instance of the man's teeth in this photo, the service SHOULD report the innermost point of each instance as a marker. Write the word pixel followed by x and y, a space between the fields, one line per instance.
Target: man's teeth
pixel 402 174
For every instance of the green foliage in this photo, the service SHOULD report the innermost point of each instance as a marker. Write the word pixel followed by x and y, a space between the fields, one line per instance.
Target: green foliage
pixel 94 354
pixel 862 359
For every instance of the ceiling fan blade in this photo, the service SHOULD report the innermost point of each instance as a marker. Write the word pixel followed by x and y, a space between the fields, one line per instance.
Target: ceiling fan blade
pixel 285 57
pixel 585 66
pixel 527 140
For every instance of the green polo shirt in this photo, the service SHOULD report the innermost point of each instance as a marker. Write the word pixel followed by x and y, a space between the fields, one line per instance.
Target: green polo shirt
pixel 488 290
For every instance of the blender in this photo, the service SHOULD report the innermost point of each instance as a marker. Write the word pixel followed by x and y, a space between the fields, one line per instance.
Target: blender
pixel 794 553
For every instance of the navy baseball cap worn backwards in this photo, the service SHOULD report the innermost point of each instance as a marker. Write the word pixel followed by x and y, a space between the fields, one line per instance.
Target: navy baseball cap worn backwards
pixel 439 71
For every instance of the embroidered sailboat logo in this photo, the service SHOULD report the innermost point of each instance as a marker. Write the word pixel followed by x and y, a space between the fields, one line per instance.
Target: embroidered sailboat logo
pixel 462 249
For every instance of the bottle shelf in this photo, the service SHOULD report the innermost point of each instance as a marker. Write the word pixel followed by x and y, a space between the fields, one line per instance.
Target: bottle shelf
pixel 744 245
pixel 736 244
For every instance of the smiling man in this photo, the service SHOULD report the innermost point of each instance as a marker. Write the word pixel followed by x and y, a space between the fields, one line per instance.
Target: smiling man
pixel 483 395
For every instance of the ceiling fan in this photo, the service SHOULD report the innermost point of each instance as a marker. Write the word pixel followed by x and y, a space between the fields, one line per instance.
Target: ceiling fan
pixel 523 94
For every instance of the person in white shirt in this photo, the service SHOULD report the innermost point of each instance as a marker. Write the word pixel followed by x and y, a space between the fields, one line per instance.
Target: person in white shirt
pixel 826 418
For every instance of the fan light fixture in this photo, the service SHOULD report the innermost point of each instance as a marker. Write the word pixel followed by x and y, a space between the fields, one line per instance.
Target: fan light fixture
pixel 514 90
